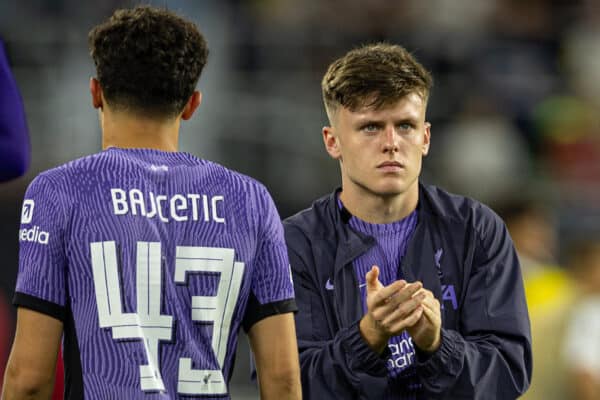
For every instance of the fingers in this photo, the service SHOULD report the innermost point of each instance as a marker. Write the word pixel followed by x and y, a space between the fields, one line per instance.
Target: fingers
pixel 401 306
pixel 399 320
pixel 396 293
pixel 426 332
pixel 372 277
pixel 402 311
pixel 430 303
pixel 390 310
pixel 431 310
pixel 431 315
pixel 373 274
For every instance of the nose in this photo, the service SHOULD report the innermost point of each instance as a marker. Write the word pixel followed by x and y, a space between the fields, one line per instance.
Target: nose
pixel 390 140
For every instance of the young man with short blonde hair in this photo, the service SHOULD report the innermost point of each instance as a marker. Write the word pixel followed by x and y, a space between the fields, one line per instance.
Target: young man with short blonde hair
pixel 404 291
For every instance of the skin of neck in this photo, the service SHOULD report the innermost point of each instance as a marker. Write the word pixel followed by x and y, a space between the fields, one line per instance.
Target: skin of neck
pixel 377 209
pixel 125 129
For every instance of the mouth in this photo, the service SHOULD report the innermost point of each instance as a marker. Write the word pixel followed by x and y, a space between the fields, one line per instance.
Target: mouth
pixel 390 166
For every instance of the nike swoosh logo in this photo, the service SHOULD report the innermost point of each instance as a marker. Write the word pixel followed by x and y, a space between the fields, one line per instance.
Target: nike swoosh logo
pixel 328 285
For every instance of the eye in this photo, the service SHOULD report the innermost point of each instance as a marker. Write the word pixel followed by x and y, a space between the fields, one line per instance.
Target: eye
pixel 405 126
pixel 370 128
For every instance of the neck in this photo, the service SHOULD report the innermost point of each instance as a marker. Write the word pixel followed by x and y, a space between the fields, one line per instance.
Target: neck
pixel 377 209
pixel 124 130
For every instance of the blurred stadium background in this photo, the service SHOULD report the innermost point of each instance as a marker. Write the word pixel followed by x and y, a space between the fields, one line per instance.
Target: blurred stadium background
pixel 514 111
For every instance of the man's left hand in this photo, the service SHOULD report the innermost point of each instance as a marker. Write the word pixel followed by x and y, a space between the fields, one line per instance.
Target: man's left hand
pixel 426 332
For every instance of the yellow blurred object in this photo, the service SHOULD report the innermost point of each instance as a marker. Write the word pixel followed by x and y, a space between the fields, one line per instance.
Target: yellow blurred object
pixel 546 286
pixel 550 293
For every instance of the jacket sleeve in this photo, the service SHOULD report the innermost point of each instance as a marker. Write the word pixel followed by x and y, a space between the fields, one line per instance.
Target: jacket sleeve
pixel 490 358
pixel 334 364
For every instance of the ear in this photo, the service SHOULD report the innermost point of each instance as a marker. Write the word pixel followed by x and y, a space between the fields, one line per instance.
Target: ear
pixel 332 144
pixel 426 139
pixel 191 105
pixel 96 92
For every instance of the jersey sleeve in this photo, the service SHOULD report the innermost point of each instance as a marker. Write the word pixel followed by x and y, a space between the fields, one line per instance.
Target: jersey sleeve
pixel 41 280
pixel 272 288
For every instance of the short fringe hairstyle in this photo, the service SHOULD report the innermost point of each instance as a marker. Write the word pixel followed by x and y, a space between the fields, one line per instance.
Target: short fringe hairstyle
pixel 374 75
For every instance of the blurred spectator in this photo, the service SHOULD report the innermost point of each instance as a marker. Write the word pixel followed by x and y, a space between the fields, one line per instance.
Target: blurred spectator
pixel 570 131
pixel 466 161
pixel 581 53
pixel 532 228
pixel 582 345
pixel 14 137
pixel 548 291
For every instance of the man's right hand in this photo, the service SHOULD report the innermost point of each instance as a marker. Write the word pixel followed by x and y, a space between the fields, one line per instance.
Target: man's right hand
pixel 390 309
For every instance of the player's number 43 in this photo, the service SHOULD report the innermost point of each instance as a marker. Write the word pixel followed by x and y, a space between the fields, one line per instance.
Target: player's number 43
pixel 150 325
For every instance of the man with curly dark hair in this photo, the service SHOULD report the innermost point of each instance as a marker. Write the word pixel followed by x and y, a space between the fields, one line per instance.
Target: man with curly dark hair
pixel 147 261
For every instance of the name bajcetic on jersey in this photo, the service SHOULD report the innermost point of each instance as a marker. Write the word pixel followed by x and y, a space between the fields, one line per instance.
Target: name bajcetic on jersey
pixel 178 207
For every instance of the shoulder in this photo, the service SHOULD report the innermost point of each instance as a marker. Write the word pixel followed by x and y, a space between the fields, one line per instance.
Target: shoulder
pixel 462 210
pixel 58 177
pixel 317 219
pixel 242 184
pixel 74 167
pixel 53 189
pixel 61 178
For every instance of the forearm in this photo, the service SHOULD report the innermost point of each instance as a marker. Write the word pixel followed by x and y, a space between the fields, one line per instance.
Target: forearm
pixel 19 385
pixel 342 367
pixel 31 368
pixel 273 342
pixel 486 352
pixel 475 367
pixel 281 385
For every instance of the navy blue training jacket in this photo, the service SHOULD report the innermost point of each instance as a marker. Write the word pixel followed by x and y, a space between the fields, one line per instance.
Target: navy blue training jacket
pixel 462 252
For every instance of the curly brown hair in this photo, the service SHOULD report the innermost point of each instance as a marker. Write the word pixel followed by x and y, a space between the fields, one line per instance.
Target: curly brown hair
pixel 148 60
pixel 374 75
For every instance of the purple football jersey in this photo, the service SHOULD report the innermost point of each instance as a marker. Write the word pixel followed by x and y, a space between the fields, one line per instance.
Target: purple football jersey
pixel 153 260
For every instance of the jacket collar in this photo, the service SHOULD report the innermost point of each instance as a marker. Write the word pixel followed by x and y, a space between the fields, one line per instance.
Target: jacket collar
pixel 418 263
pixel 350 244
